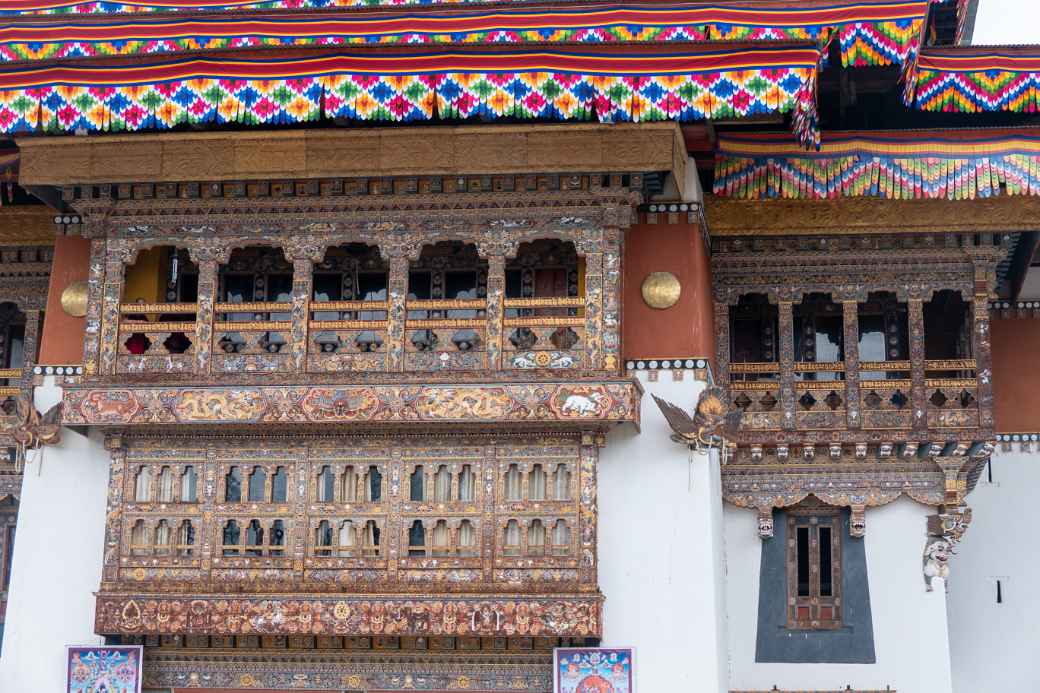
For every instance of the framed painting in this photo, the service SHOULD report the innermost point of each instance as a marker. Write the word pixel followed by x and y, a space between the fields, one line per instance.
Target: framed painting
pixel 594 670
pixel 100 669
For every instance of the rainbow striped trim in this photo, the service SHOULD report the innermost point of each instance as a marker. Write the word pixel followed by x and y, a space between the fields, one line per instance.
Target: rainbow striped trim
pixel 870 33
pixel 973 80
pixel 615 85
pixel 893 165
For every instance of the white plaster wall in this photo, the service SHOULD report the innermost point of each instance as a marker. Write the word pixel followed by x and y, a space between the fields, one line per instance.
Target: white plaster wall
pixel 660 550
pixel 994 646
pixel 910 628
pixel 57 561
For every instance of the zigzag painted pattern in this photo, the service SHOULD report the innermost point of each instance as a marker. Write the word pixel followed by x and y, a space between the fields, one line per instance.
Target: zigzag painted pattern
pixel 978 91
pixel 886 177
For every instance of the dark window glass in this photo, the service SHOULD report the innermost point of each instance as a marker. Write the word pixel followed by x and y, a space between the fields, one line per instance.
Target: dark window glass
pixel 372 286
pixel 947 333
pixel 416 538
pixel 233 486
pixel 279 485
pixel 254 537
pixel 189 288
pixel 277 537
pixel 803 561
pixel 514 284
pixel 257 481
pixel 375 481
pixel 231 537
pixel 279 287
pixel 826 572
pixel 417 485
pixel 419 285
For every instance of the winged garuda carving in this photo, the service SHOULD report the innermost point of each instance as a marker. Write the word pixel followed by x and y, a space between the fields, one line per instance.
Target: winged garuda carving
pixel 712 420
pixel 32 429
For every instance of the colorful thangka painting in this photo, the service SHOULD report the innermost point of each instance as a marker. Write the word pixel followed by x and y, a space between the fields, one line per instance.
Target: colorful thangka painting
pixel 104 669
pixel 594 670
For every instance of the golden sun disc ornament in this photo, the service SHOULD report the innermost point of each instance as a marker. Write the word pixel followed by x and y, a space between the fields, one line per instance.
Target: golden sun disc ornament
pixel 661 290
pixel 74 299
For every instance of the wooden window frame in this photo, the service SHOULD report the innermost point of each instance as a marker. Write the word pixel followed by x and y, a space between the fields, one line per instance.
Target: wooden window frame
pixel 814 611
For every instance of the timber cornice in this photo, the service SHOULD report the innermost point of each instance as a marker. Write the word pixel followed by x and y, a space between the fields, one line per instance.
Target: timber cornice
pixel 376 152
pixel 859 216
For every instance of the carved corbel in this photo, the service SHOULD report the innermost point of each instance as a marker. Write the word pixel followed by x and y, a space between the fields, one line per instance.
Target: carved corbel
pixel 33 430
pixel 858 521
pixel 765 522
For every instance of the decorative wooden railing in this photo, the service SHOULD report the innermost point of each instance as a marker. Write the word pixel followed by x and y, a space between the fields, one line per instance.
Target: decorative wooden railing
pixel 946 390
pixel 360 336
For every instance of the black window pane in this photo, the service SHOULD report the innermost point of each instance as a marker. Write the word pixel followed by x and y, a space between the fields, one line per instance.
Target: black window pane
pixel 279 288
pixel 372 286
pixel 419 285
pixel 803 561
pixel 238 288
pixel 257 480
pixel 417 485
pixel 826 569
pixel 460 285
pixel 233 491
pixel 375 480
pixel 327 287
pixel 279 485
pixel 189 288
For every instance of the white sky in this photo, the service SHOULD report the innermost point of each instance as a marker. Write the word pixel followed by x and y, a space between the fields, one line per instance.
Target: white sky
pixel 1007 22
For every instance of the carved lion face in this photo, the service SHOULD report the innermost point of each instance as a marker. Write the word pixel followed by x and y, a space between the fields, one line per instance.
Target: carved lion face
pixel 938 551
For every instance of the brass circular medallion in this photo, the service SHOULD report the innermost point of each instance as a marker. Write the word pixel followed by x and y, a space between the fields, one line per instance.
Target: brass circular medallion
pixel 661 290
pixel 74 299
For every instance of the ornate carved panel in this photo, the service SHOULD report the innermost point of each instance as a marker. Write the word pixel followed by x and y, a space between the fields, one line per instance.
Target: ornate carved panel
pixel 406 535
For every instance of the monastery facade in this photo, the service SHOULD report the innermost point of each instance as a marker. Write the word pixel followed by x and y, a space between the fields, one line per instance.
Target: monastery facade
pixel 372 346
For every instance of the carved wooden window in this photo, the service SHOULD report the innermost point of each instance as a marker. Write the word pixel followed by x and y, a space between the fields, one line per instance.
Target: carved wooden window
pixel 467 483
pixel 511 539
pixel 165 485
pixel 441 538
pixel 818 331
pixel 140 539
pixel 233 485
pixel 12 336
pixel 373 484
pixel 372 534
pixel 143 485
pixel 230 538
pixel 754 330
pixel 561 538
pixel 163 539
pixel 562 483
pixel 257 485
pixel 349 486
pixel 189 485
pixel 883 329
pixel 326 485
pixel 947 327
pixel 277 538
pixel 513 483
pixel 442 485
pixel 348 539
pixel 323 539
pixel 545 268
pixel 417 484
pixel 417 539
pixel 814 568
pixel 186 539
pixel 279 485
pixel 467 539
pixel 536 538
pixel 536 483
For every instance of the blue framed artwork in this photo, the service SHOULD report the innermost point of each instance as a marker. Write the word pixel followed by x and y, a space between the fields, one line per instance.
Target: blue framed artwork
pixel 593 670
pixel 100 669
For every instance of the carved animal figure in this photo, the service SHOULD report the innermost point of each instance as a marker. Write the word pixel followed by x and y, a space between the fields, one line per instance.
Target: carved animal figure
pixel 34 430
pixel 582 405
pixel 711 419
pixel 523 361
pixel 936 561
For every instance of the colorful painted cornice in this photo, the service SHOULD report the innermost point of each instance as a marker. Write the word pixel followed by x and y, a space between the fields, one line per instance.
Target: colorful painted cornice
pixel 970 80
pixel 890 165
pixel 870 33
pixel 609 85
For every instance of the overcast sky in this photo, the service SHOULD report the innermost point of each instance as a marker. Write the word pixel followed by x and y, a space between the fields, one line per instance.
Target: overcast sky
pixel 1007 21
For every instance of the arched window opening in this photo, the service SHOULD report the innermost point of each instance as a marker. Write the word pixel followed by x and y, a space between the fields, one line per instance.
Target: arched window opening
pixel 373 485
pixel 536 538
pixel 545 268
pixel 326 485
pixel 754 329
pixel 883 334
pixel 562 483
pixel 511 539
pixel 254 539
pixel 536 483
pixel 352 272
pixel 256 274
pixel 231 537
pixel 442 485
pixel 947 327
pixel 467 539
pixel 186 538
pixel 156 287
pixel 189 485
pixel 467 484
pixel 347 538
pixel 417 484
pixel 417 539
pixel 279 486
pixel 450 270
pixel 561 538
pixel 441 538
pixel 372 532
pixel 349 486
pixel 143 485
pixel 819 335
pixel 140 539
pixel 277 538
pixel 513 492
pixel 163 538
pixel 323 539
pixel 257 485
pixel 233 485
pixel 166 485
